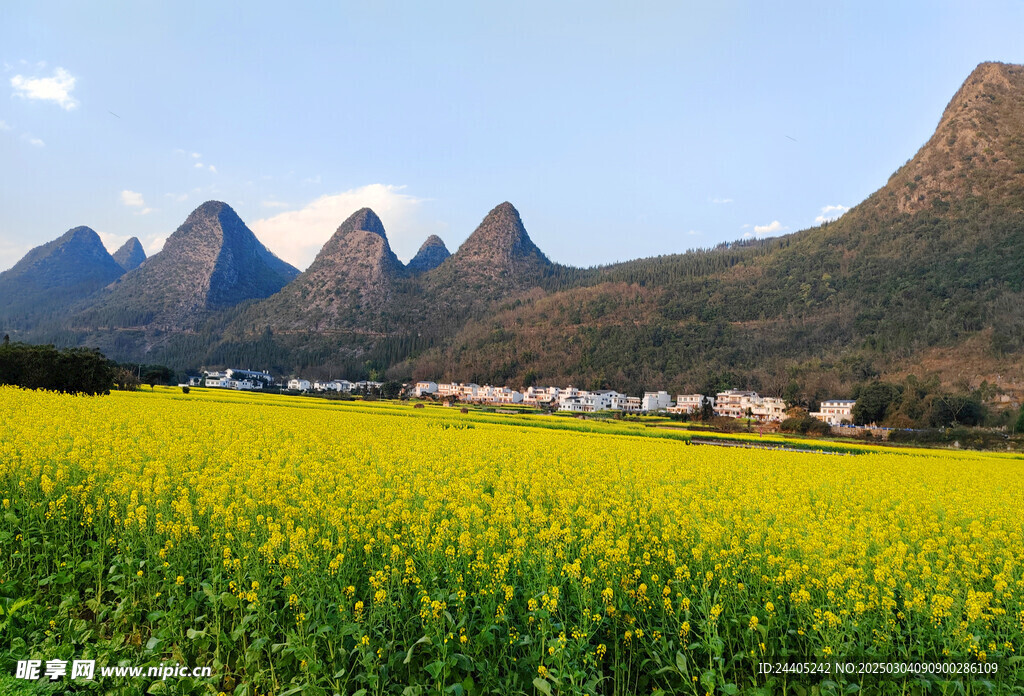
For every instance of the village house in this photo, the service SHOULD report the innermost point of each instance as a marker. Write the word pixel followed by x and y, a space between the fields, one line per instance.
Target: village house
pixel 770 408
pixel 467 392
pixel 334 385
pixel 569 392
pixel 504 395
pixel 541 396
pixel 299 384
pixel 591 402
pixel 835 412
pixel 572 404
pixel 422 388
pixel 691 403
pixel 735 403
pixel 656 401
pixel 245 380
pixel 627 404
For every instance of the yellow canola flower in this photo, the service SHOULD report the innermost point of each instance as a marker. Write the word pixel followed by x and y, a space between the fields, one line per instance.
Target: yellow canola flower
pixel 623 534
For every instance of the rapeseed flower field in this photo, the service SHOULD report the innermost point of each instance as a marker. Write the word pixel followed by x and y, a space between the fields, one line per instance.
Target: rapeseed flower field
pixel 297 545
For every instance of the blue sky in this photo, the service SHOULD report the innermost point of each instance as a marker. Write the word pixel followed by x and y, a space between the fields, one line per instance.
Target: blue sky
pixel 618 130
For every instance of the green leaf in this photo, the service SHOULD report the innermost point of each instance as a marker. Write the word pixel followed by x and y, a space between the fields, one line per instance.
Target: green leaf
pixel 435 668
pixel 408 655
pixel 707 679
pixel 730 689
pixel 542 686
pixel 681 662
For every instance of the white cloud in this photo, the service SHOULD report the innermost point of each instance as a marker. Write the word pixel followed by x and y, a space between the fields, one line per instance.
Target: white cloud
pixel 196 155
pixel 132 199
pixel 177 197
pixel 720 201
pixel 772 228
pixel 694 232
pixel 274 204
pixel 312 180
pixel 36 142
pixel 212 169
pixel 831 212
pixel 4 126
pixel 56 89
pixel 297 235
pixel 199 165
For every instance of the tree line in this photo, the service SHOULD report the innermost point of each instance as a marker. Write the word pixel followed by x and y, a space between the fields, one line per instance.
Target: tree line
pixel 73 370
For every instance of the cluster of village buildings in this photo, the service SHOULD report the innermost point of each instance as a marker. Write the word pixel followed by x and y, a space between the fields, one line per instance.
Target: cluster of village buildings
pixel 732 403
pixel 333 385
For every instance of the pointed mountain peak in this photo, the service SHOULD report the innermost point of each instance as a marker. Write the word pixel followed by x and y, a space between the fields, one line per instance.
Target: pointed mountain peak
pixel 205 225
pixel 211 262
pixel 501 238
pixel 352 279
pixel 363 219
pixel 131 254
pixel 211 209
pixel 360 237
pixel 505 212
pixel 81 234
pixel 431 254
pixel 432 241
pixel 77 243
pixel 974 151
pixel 983 90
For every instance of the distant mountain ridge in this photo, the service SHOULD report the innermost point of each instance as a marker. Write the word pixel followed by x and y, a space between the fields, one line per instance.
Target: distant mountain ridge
pixel 930 263
pixel 51 278
pixel 211 262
